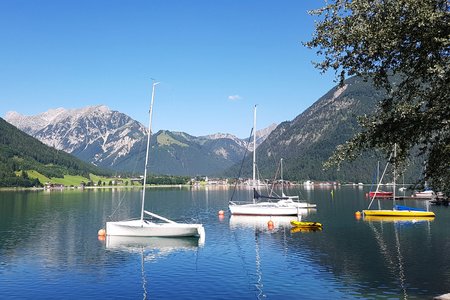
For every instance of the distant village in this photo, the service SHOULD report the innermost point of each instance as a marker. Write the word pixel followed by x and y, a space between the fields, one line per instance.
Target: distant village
pixel 197 181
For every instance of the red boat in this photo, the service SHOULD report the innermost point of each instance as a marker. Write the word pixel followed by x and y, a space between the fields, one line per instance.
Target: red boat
pixel 380 194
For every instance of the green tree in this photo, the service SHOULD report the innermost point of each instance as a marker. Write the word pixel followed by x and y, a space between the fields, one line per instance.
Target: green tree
pixel 404 47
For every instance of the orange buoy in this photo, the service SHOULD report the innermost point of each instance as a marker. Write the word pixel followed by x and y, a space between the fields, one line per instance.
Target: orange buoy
pixel 221 214
pixel 358 215
pixel 101 232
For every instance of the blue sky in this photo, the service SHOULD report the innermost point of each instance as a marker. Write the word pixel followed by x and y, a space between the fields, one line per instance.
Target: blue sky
pixel 214 59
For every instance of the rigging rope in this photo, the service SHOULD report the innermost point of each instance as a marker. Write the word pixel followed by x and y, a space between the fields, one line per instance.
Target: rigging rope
pixel 242 164
pixel 379 183
pixel 274 181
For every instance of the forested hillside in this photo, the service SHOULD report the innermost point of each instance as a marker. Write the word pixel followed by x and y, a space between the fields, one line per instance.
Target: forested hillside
pixel 178 153
pixel 19 152
pixel 306 142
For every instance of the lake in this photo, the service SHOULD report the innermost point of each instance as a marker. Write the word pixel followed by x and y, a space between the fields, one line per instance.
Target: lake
pixel 49 249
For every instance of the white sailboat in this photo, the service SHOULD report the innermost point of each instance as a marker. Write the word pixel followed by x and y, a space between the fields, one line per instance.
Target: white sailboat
pixel 279 207
pixel 145 228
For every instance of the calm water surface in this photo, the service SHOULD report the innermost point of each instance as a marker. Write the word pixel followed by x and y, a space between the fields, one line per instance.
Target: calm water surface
pixel 49 249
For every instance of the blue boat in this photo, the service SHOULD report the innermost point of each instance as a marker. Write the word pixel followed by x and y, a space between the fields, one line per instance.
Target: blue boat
pixel 402 207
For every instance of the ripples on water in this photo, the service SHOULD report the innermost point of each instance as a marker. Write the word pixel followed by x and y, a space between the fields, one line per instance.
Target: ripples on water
pixel 49 250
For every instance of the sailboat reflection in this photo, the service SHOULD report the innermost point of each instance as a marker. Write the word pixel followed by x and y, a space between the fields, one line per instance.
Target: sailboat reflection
pixel 260 222
pixel 380 226
pixel 257 227
pixel 151 249
pixel 272 222
pixel 396 219
pixel 158 244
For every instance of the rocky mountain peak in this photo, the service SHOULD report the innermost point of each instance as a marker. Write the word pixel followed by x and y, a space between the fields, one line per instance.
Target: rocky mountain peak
pixel 264 133
pixel 220 135
pixel 93 133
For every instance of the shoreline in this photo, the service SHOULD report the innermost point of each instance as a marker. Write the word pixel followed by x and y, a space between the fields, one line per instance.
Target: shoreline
pixel 219 186
pixel 12 189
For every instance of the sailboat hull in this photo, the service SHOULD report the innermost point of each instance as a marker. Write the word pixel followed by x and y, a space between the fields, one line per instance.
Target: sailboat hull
pixel 263 209
pixel 398 219
pixel 398 213
pixel 150 229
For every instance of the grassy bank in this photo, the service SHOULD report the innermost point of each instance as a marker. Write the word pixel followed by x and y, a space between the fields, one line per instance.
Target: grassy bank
pixel 76 180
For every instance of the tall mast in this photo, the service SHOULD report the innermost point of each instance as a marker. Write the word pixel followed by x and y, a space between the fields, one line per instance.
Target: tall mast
pixel 148 147
pixel 254 147
pixel 395 166
pixel 282 181
pixel 378 172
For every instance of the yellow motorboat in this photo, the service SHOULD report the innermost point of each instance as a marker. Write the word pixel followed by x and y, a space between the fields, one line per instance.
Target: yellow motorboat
pixel 306 225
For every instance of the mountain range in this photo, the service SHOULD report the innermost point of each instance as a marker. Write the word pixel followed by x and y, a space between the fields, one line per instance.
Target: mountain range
pixel 110 139
pixel 113 140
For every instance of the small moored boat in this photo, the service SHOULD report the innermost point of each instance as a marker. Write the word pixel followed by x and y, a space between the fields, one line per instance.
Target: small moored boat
pixel 428 194
pixel 308 225
pixel 380 194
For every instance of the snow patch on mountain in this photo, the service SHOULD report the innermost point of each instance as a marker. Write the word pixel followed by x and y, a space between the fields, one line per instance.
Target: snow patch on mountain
pixel 94 131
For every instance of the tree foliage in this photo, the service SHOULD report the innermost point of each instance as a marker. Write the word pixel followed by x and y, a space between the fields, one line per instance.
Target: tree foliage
pixel 404 46
pixel 167 179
